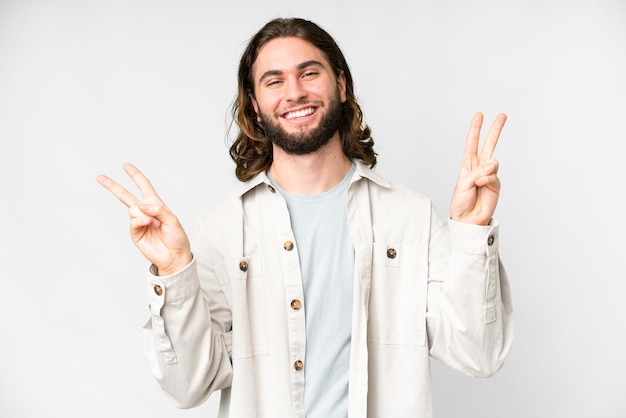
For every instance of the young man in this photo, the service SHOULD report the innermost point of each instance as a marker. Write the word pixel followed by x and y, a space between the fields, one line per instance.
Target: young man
pixel 320 288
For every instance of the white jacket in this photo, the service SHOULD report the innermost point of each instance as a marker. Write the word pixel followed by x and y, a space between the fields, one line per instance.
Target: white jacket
pixel 233 320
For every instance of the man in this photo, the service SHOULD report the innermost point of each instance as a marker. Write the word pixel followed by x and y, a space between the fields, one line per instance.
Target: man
pixel 320 288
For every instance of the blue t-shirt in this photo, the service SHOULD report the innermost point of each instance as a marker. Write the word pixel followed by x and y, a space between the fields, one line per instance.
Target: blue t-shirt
pixel 326 252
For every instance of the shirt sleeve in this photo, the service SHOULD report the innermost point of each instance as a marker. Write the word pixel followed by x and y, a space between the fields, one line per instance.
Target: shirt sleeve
pixel 469 317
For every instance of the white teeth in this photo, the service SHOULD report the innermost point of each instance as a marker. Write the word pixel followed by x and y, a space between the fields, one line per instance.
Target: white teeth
pixel 299 113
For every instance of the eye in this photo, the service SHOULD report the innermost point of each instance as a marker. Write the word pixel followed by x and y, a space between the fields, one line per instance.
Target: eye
pixel 310 74
pixel 273 83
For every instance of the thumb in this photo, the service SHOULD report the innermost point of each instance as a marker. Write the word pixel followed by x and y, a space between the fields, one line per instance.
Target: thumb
pixel 159 212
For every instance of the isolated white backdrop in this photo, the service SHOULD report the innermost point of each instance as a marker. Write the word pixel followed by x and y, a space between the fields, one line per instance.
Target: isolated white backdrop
pixel 87 85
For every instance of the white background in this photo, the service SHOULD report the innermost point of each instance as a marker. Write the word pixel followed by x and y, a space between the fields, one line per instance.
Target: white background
pixel 88 85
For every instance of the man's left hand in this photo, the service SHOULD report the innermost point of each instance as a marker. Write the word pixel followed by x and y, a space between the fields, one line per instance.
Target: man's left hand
pixel 478 186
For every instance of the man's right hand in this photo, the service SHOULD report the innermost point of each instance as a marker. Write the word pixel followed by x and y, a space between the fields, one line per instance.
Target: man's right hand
pixel 154 229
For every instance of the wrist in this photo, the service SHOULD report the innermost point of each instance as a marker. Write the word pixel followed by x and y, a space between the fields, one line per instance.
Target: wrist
pixel 174 267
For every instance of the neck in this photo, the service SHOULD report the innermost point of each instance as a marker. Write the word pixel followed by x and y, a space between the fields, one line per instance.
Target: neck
pixel 312 173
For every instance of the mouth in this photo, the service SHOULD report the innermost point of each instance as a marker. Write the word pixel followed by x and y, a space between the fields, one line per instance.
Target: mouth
pixel 300 113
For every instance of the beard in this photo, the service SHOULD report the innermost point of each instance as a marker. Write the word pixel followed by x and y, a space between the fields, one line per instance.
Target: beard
pixel 305 141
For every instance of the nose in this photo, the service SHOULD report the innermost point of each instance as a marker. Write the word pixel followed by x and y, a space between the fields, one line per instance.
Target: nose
pixel 295 91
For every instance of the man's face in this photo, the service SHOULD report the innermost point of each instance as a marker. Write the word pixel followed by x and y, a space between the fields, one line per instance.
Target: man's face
pixel 297 95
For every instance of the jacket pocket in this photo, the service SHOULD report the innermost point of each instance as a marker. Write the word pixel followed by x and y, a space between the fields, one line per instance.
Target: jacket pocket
pixel 397 305
pixel 247 299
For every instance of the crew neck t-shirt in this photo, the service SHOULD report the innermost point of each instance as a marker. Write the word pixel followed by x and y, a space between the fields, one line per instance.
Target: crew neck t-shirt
pixel 320 226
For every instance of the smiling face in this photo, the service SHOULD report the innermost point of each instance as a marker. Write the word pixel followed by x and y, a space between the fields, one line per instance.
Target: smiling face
pixel 297 96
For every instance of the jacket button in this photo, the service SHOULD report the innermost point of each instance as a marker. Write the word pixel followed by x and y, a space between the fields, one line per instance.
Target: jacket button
pixel 490 240
pixel 271 189
pixel 158 290
pixel 391 253
pixel 296 304
pixel 298 365
pixel 243 266
pixel 288 245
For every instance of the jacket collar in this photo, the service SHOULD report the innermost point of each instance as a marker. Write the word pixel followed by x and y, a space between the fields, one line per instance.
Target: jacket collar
pixel 362 171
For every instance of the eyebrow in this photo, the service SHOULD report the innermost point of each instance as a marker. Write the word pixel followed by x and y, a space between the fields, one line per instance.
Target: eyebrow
pixel 306 64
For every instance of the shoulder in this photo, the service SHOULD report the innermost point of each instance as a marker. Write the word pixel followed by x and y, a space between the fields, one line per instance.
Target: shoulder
pixel 219 215
pixel 400 201
pixel 218 228
pixel 394 203
pixel 380 188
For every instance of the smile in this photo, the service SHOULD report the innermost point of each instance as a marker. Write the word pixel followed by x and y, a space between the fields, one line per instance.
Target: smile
pixel 300 113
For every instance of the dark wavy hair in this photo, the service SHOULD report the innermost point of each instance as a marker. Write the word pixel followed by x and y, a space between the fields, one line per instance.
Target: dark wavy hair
pixel 251 150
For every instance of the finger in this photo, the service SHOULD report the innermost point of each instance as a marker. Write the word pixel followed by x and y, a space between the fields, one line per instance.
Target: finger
pixel 473 135
pixel 491 167
pixel 144 215
pixel 117 190
pixel 135 212
pixel 491 182
pixel 142 222
pixel 159 212
pixel 492 137
pixel 142 182
pixel 139 220
pixel 471 179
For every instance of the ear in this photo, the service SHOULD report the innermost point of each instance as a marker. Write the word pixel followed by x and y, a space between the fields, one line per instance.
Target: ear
pixel 341 85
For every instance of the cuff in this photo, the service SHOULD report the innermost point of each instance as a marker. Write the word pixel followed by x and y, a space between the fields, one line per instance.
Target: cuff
pixel 175 287
pixel 474 239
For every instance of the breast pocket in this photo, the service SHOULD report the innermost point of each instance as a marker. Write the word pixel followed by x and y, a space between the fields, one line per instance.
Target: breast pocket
pixel 397 307
pixel 247 299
